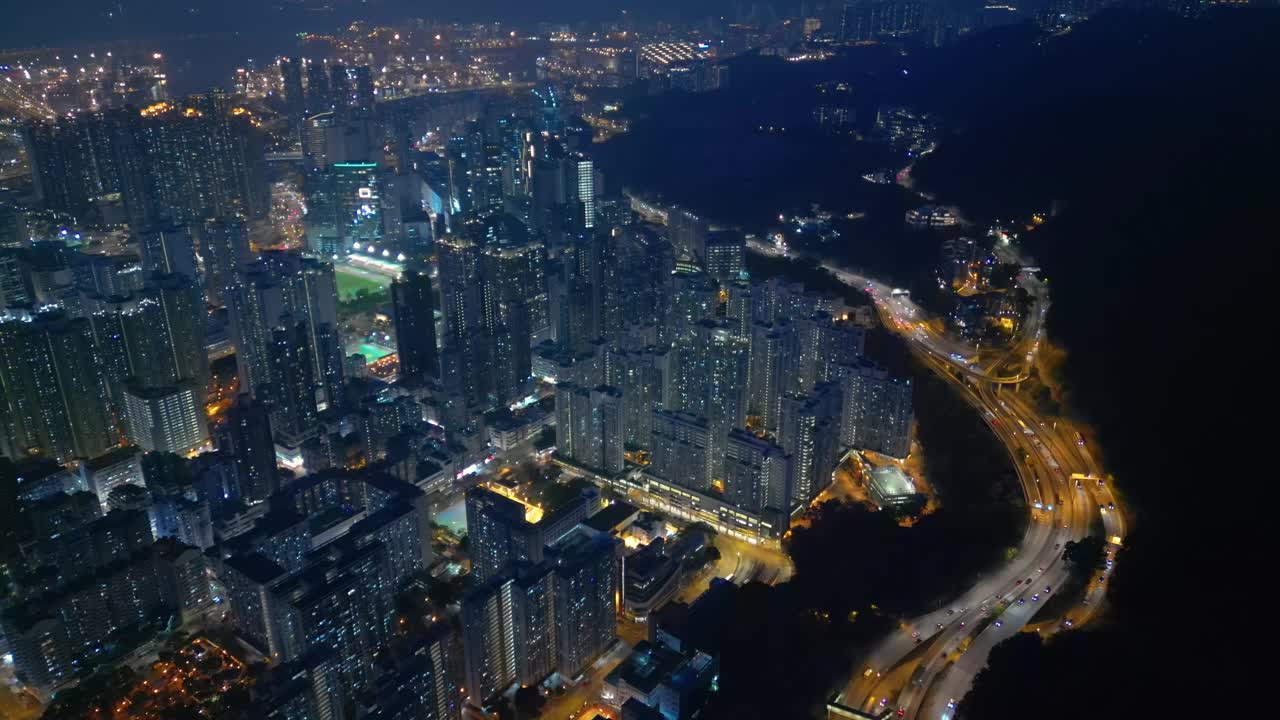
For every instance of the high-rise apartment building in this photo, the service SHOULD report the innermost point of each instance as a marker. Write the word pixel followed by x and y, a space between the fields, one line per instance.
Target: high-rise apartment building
pixel 168 249
pixel 680 447
pixel 293 397
pixel 711 383
pixel 589 426
pixel 586 597
pixel 413 307
pixel 224 245
pixel 291 79
pixel 725 254
pixel 581 191
pixel 284 289
pixel 643 377
pixel 247 437
pixel 772 360
pixel 489 638
pixel 166 419
pixel 757 473
pixel 877 410
pixel 55 399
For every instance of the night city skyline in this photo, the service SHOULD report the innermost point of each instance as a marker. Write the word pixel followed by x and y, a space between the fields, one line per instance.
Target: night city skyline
pixel 824 359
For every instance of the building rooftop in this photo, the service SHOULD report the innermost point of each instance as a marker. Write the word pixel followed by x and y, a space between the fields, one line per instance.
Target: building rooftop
pixel 256 566
pixel 111 457
pixel 648 666
pixel 616 516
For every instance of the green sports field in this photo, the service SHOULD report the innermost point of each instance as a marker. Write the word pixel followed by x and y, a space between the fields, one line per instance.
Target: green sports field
pixel 350 283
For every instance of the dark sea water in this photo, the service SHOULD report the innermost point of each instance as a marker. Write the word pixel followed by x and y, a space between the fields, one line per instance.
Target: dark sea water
pixel 199 62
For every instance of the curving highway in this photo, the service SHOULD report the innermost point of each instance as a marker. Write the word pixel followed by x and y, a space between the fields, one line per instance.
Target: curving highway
pixel 1066 499
pixel 925 667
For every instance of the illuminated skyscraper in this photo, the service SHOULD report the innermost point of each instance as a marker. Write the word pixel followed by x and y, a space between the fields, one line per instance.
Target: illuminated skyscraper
pixel 341 604
pixel 725 255
pixel 582 191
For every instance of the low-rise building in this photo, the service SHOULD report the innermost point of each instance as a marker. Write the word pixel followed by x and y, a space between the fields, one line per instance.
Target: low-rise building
pixel 675 684
pixel 889 486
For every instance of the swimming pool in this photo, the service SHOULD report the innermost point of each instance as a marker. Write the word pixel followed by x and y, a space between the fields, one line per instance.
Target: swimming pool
pixel 372 353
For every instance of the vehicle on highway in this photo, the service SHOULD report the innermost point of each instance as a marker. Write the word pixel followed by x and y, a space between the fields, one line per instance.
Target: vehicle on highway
pixel 1047 589
pixel 1079 439
pixel 951 704
pixel 915 634
pixel 1022 601
pixel 1035 598
pixel 999 623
